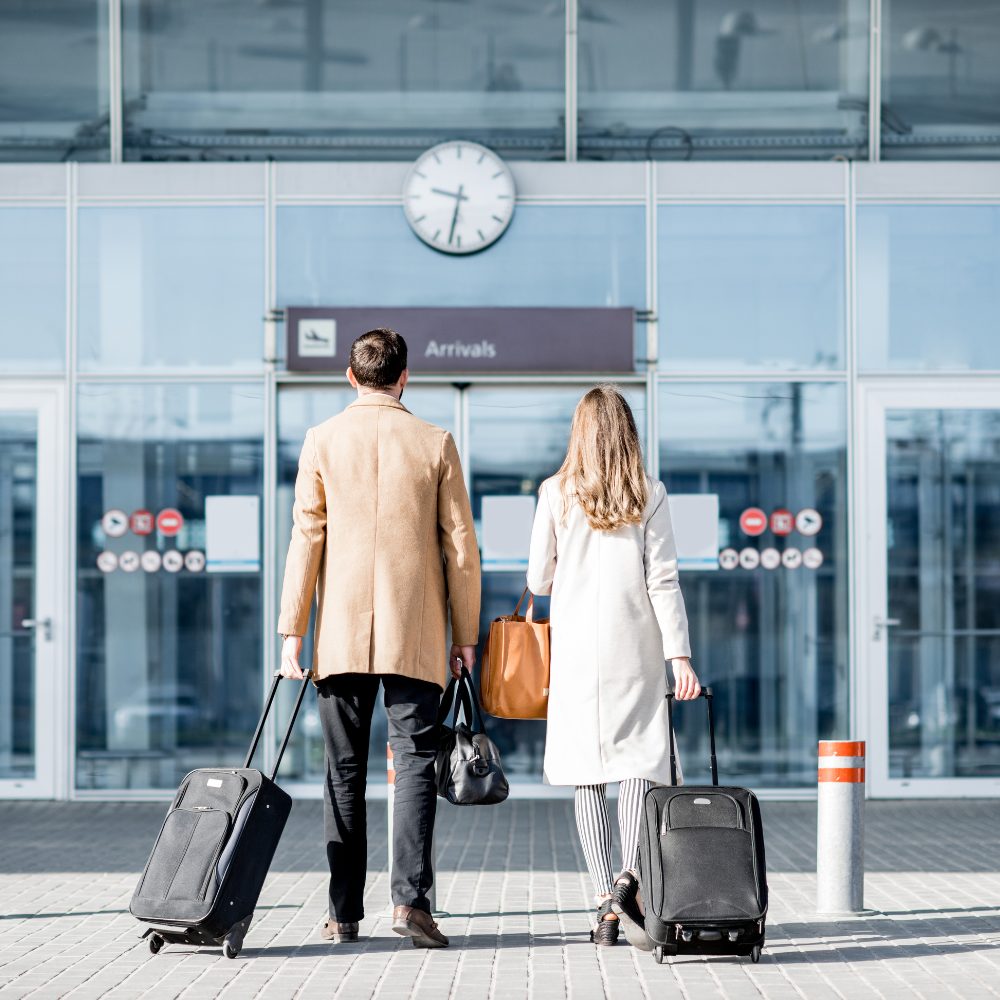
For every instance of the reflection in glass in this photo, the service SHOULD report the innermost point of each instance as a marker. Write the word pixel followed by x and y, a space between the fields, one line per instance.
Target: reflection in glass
pixel 751 287
pixel 54 80
pixel 518 439
pixel 341 79
pixel 168 662
pixel 300 408
pixel 175 287
pixel 680 79
pixel 940 79
pixel 33 289
pixel 943 537
pixel 18 485
pixel 771 642
pixel 928 297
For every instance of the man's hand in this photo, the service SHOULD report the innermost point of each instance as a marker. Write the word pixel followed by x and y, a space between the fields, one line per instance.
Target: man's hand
pixel 459 656
pixel 686 684
pixel 290 650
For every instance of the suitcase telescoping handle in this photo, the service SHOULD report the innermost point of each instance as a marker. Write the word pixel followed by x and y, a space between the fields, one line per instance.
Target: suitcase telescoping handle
pixel 706 693
pixel 263 719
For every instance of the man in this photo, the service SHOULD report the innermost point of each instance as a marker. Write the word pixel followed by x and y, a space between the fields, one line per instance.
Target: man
pixel 382 524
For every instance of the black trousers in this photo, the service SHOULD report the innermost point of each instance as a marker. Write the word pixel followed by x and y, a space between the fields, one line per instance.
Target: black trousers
pixel 346 703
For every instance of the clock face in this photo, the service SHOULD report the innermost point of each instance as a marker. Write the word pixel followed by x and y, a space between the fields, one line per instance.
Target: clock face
pixel 459 197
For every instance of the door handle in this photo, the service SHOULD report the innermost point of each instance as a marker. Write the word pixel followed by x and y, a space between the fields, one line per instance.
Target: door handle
pixel 45 624
pixel 881 624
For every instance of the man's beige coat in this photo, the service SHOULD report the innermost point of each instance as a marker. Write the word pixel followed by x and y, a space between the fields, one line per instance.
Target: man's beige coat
pixel 383 536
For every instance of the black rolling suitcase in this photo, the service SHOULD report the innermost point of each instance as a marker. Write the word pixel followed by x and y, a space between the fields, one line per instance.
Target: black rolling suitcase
pixel 701 856
pixel 208 865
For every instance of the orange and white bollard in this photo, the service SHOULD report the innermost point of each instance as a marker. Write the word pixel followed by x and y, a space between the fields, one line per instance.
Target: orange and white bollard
pixel 840 843
pixel 390 800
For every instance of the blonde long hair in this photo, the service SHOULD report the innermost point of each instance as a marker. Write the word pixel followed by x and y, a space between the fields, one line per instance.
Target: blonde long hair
pixel 603 470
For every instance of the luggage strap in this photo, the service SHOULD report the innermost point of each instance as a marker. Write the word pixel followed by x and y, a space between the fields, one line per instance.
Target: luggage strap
pixel 263 718
pixel 706 693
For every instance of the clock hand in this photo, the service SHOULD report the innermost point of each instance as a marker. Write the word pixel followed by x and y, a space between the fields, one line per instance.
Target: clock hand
pixel 452 194
pixel 459 198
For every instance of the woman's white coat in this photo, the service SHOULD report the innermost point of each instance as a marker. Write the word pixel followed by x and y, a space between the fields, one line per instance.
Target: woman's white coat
pixel 617 615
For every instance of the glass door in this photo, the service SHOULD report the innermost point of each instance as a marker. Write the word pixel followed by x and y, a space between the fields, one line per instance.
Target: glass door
pixel 32 538
pixel 930 588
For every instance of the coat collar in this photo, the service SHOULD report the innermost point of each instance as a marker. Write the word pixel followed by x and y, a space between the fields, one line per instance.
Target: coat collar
pixel 378 399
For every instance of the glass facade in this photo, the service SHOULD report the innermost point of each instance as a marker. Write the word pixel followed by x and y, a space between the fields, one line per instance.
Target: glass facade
pixel 18 531
pixel 751 287
pixel 54 80
pixel 683 79
pixel 149 288
pixel 168 637
pixel 940 79
pixel 33 289
pixel 385 79
pixel 943 481
pixel 769 301
pixel 927 294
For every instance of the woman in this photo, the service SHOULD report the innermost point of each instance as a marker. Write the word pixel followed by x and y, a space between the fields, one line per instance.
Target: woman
pixel 603 547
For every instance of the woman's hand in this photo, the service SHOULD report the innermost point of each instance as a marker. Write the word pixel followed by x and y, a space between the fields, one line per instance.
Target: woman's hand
pixel 686 684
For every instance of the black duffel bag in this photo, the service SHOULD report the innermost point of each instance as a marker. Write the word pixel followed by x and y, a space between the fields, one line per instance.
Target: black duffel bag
pixel 468 763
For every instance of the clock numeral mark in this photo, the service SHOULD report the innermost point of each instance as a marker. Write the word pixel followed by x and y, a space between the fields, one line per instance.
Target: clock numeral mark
pixel 499 173
pixel 458 152
pixel 503 197
pixel 420 173
pixel 421 219
pixel 458 240
pixel 436 235
pixel 482 156
pixel 498 219
pixel 482 235
pixel 437 159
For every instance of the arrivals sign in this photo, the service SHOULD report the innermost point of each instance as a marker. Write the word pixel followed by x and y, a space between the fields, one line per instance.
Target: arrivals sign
pixel 470 340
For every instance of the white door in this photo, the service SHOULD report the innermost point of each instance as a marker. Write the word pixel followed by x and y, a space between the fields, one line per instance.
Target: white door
pixel 33 682
pixel 929 586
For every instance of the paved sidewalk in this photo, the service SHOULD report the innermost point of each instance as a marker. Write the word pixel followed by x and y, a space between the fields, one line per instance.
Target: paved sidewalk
pixel 67 871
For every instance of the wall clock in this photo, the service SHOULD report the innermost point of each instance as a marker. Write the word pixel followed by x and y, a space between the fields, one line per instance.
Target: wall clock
pixel 459 197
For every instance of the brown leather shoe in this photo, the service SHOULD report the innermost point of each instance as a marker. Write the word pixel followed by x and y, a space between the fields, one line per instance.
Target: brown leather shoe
pixel 338 933
pixel 418 925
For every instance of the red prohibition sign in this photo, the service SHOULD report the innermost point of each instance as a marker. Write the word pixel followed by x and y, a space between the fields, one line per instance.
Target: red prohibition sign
pixel 169 521
pixel 753 521
pixel 782 521
pixel 142 522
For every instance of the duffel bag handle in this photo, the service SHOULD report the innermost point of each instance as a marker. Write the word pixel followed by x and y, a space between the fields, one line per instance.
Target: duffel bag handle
pixel 706 693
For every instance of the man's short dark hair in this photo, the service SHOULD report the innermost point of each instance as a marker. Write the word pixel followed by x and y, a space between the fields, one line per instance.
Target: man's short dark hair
pixel 378 358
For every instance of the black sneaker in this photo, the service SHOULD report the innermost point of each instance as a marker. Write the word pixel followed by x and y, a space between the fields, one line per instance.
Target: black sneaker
pixel 625 902
pixel 606 931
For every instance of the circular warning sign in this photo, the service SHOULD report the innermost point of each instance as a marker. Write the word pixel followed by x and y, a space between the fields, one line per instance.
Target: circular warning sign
pixel 128 561
pixel 114 523
pixel 808 521
pixel 812 558
pixel 107 562
pixel 173 561
pixel 791 558
pixel 151 560
pixel 753 521
pixel 169 521
pixel 729 559
pixel 770 558
pixel 194 561
pixel 749 558
pixel 782 521
pixel 142 522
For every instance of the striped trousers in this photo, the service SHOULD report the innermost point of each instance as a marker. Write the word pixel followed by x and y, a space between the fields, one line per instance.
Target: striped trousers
pixel 594 826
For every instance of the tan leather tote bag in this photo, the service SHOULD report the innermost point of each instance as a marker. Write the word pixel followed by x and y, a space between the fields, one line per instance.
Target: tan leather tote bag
pixel 514 682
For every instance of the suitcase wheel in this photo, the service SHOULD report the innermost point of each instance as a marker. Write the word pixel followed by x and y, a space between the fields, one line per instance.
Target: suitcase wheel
pixel 230 948
pixel 155 943
pixel 755 954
